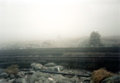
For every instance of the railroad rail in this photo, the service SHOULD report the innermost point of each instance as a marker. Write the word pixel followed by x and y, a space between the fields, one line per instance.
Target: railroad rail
pixel 99 56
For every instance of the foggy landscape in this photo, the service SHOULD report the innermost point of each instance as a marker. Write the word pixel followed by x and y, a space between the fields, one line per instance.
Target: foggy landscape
pixel 51 20
pixel 59 41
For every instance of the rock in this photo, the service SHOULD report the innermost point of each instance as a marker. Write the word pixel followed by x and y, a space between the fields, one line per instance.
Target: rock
pixel 12 76
pixel 74 79
pixel 53 69
pixel 1 71
pixel 113 79
pixel 36 66
pixel 34 78
pixel 42 78
pixel 50 65
pixel 11 81
pixel 46 81
pixel 3 74
pixel 59 68
pixel 58 77
pixel 3 80
pixel 64 81
pixel 38 74
pixel 37 82
pixel 85 79
pixel 40 81
pixel 46 75
pixel 19 80
pixel 51 80
pixel 21 74
pixel 24 80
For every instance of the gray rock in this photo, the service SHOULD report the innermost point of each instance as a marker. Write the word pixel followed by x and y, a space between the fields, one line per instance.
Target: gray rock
pixel 28 79
pixel 11 81
pixel 58 77
pixel 85 79
pixel 36 65
pixel 113 79
pixel 3 74
pixel 19 80
pixel 21 74
pixel 46 81
pixel 1 71
pixel 54 69
pixel 38 74
pixel 12 76
pixel 50 65
pixel 34 78
pixel 64 81
pixel 3 80
pixel 42 79
pixel 24 80
pixel 37 82
pixel 59 68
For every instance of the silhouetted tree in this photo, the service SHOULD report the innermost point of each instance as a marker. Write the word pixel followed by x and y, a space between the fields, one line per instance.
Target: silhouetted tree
pixel 95 39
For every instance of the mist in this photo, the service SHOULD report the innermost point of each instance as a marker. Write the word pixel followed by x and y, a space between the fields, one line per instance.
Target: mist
pixel 54 19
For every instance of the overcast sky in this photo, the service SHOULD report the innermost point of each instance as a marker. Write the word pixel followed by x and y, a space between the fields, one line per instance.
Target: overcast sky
pixel 46 19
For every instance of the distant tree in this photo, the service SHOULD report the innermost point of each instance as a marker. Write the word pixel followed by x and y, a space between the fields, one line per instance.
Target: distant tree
pixel 95 40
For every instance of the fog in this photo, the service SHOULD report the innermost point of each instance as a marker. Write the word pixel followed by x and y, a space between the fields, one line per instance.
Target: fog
pixel 51 19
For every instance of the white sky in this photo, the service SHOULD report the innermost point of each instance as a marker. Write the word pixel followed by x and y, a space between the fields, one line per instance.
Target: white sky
pixel 46 19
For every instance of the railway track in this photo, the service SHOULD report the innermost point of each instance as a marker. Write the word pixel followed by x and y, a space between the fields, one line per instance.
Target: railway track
pixel 91 58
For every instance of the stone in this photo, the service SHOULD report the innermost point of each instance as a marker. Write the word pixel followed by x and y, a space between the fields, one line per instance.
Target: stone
pixel 46 81
pixel 21 74
pixel 11 81
pixel 1 71
pixel 12 76
pixel 42 79
pixel 19 80
pixel 50 65
pixel 36 66
pixel 85 79
pixel 113 79
pixel 58 77
pixel 37 82
pixel 3 80
pixel 3 74
pixel 59 68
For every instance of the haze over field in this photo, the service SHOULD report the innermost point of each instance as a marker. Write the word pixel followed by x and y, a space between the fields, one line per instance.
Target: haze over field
pixel 50 19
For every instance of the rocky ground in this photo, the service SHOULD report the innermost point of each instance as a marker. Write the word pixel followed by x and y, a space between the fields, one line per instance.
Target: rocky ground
pixel 52 73
pixel 36 75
